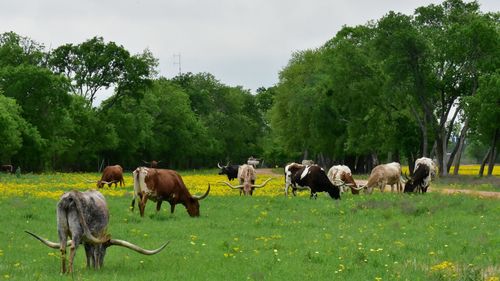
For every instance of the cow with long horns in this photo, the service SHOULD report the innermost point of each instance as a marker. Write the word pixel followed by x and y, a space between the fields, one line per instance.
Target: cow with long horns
pixel 230 170
pixel 84 217
pixel 342 174
pixel 247 176
pixel 382 175
pixel 160 185
pixel 314 178
pixel 425 170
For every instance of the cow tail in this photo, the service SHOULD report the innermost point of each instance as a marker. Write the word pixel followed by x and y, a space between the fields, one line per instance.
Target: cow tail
pixel 77 198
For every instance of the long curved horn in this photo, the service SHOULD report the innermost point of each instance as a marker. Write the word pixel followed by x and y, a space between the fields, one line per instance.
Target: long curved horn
pixel 218 165
pixel 91 181
pixel 134 247
pixel 262 185
pixel 230 185
pixel 51 244
pixel 204 195
pixel 338 182
pixel 146 162
pixel 357 188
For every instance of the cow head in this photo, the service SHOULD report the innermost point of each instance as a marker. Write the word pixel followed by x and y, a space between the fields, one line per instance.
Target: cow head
pixel 223 169
pixel 193 204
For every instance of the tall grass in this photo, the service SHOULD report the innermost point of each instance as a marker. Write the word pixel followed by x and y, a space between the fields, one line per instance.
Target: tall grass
pixel 379 237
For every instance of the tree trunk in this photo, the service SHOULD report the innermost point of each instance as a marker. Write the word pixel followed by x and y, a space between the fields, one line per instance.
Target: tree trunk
pixel 456 154
pixel 458 157
pixel 493 154
pixel 481 169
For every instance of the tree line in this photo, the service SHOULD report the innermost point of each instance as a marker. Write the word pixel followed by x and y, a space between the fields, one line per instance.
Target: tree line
pixel 398 88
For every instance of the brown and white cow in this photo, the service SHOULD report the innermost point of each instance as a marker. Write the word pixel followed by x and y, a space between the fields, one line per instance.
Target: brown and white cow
pixel 160 185
pixel 312 177
pixel 247 176
pixel 425 170
pixel 342 174
pixel 290 169
pixel 385 174
pixel 84 217
pixel 110 175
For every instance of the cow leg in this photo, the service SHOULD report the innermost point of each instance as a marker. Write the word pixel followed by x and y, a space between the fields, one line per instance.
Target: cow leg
pixel 62 248
pixel 294 191
pixel 142 205
pixel 89 254
pixel 158 205
pixel 72 252
pixel 132 206
pixel 172 208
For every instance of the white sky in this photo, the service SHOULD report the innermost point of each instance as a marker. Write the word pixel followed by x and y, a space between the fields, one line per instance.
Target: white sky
pixel 243 43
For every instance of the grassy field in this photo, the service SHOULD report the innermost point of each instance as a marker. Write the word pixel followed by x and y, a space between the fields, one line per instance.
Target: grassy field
pixel 264 237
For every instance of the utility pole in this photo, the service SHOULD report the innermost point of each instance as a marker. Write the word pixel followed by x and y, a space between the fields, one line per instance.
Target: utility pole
pixel 177 61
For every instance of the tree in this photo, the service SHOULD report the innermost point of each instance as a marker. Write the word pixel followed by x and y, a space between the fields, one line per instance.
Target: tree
pixel 44 100
pixel 95 65
pixel 483 109
pixel 16 50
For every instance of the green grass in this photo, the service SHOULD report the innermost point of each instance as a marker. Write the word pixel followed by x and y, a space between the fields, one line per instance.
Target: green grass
pixel 386 236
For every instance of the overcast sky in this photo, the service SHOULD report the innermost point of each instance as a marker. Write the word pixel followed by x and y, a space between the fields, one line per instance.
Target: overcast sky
pixel 243 43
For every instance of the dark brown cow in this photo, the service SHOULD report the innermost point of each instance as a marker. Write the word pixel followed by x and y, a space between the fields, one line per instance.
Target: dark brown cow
pixel 161 185
pixel 110 175
pixel 7 168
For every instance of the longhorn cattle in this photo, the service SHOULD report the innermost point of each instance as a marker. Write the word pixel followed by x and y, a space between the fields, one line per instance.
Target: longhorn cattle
pixel 84 217
pixel 230 170
pixel 385 174
pixel 425 170
pixel 342 174
pixel 289 170
pixel 110 175
pixel 152 164
pixel 160 185
pixel 246 177
pixel 312 177
pixel 7 168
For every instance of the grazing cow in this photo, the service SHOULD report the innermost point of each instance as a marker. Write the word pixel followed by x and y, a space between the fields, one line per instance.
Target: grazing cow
pixel 246 177
pixel 110 175
pixel 290 169
pixel 342 174
pixel 84 217
pixel 230 170
pixel 417 182
pixel 161 185
pixel 425 170
pixel 312 177
pixel 385 174
pixel 432 167
pixel 152 164
pixel 7 168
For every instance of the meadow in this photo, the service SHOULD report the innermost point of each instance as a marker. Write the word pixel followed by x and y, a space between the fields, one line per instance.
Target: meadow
pixel 265 237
